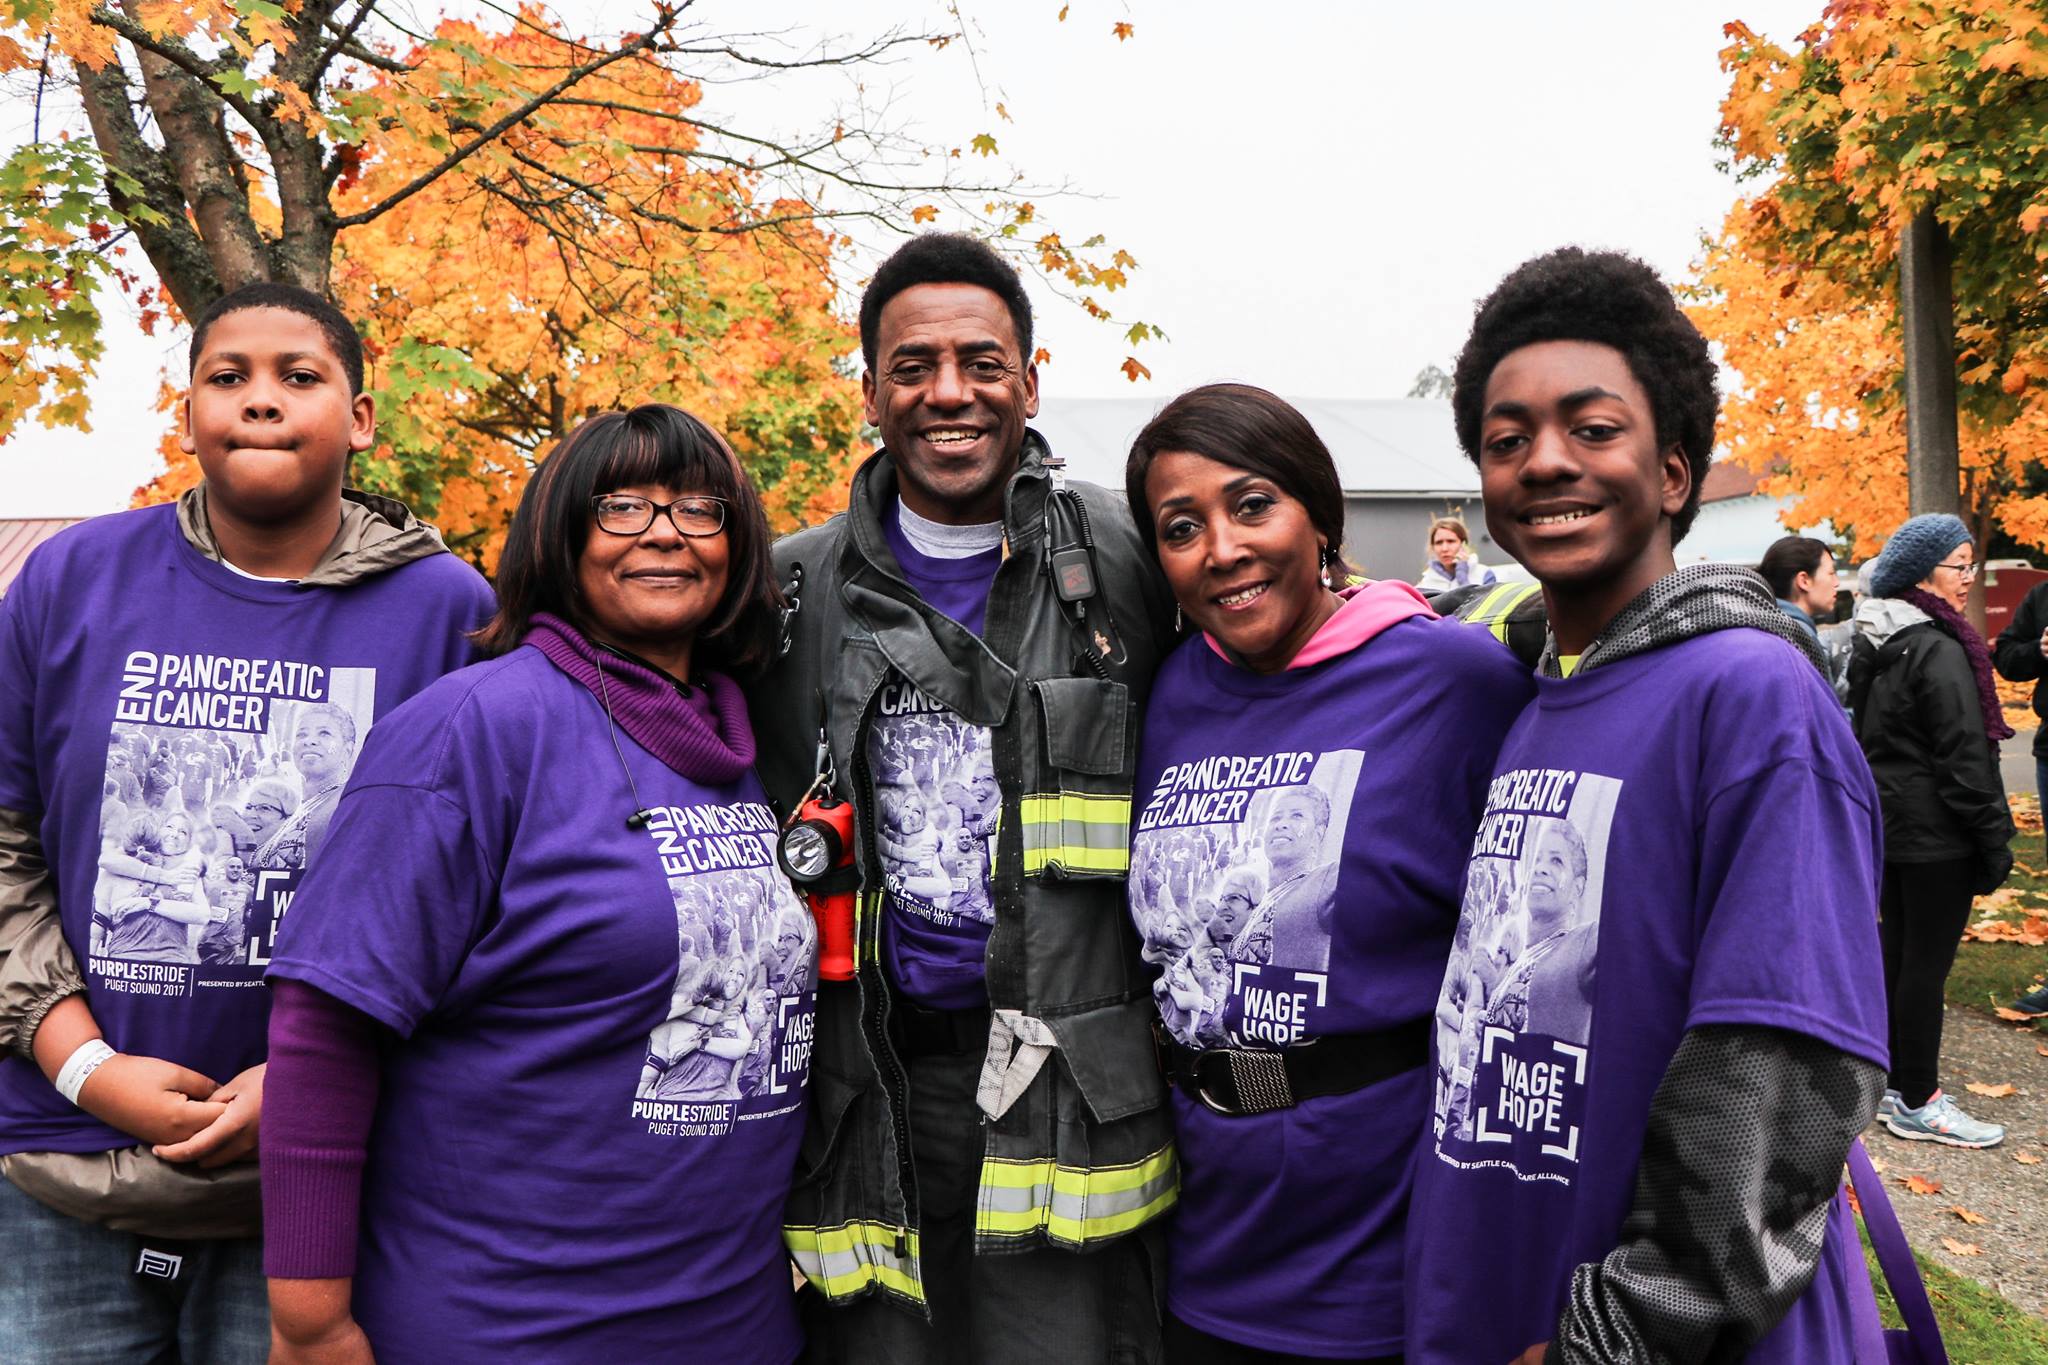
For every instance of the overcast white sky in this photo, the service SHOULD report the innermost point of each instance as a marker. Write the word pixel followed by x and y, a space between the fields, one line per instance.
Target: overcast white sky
pixel 1317 192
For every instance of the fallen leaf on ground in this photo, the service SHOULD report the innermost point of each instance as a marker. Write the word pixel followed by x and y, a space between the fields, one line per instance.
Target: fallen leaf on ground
pixel 2016 1016
pixel 1999 899
pixel 1962 1248
pixel 1992 1092
pixel 2041 1049
pixel 2026 1158
pixel 1920 1184
pixel 2031 934
pixel 1855 1204
pixel 1970 1216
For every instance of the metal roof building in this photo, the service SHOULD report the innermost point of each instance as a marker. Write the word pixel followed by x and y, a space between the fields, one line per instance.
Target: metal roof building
pixel 19 535
pixel 1398 459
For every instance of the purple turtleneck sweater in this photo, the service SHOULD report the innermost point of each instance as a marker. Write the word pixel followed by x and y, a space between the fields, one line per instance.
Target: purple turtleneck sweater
pixel 320 1089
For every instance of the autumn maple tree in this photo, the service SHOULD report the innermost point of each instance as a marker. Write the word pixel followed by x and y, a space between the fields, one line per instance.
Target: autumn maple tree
pixel 529 224
pixel 1883 109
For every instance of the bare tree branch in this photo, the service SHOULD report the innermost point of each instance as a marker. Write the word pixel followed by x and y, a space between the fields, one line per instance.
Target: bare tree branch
pixel 663 19
pixel 346 44
pixel 887 42
pixel 803 161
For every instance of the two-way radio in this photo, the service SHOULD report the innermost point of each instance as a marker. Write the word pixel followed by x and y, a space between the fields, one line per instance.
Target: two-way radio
pixel 1070 559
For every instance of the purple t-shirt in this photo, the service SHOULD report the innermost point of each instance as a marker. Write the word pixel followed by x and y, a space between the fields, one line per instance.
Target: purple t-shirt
pixel 936 804
pixel 1717 785
pixel 583 1144
pixel 180 734
pixel 1294 874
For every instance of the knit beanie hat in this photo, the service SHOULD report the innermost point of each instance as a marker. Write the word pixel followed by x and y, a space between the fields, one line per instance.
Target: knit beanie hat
pixel 1913 551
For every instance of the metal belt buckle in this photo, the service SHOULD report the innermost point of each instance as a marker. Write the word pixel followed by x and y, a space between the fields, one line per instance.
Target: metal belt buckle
pixel 1258 1083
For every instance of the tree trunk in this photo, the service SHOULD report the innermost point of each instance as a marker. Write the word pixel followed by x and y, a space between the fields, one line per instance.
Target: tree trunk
pixel 180 257
pixel 1933 466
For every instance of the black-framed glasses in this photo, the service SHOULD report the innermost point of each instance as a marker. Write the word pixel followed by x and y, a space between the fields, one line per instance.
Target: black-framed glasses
pixel 1967 571
pixel 625 514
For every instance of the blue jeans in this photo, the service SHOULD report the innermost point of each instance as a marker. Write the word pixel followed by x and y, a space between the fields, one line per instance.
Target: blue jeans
pixel 76 1292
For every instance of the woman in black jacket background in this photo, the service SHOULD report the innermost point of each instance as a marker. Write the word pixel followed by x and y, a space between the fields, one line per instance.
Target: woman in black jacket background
pixel 2021 654
pixel 1927 715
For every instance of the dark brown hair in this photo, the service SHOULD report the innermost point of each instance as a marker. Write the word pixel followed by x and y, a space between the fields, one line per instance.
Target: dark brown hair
pixel 1246 428
pixel 1789 557
pixel 332 322
pixel 651 444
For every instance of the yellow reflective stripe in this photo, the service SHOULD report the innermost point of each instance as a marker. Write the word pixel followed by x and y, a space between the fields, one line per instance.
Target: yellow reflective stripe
pixel 867 906
pixel 1494 609
pixel 1077 831
pixel 1485 604
pixel 1074 1204
pixel 845 1260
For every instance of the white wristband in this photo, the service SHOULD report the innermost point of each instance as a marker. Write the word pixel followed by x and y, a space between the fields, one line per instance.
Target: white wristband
pixel 82 1063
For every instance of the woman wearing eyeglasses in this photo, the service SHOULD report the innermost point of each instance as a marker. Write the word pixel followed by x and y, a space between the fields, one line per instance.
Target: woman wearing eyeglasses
pixel 509 929
pixel 1927 714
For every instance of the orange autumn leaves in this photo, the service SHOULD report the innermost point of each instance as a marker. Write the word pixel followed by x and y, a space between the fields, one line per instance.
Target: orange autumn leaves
pixel 582 262
pixel 1881 109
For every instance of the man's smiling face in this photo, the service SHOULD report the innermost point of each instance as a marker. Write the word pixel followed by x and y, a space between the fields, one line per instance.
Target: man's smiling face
pixel 950 392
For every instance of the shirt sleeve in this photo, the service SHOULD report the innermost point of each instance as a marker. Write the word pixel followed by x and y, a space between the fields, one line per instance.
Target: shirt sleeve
pixel 1787 904
pixel 319 1102
pixel 19 788
pixel 2017 652
pixel 37 966
pixel 1740 1164
pixel 386 918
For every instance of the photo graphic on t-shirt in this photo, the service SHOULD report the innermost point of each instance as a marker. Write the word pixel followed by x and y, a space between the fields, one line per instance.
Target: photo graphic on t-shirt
pixel 736 1044
pixel 221 777
pixel 1233 883
pixel 1515 1016
pixel 937 803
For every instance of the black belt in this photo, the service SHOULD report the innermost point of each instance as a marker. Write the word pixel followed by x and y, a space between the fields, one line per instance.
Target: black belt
pixel 924 1032
pixel 1237 1082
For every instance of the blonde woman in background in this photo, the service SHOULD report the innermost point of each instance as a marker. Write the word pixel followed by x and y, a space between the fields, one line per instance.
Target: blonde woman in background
pixel 1451 562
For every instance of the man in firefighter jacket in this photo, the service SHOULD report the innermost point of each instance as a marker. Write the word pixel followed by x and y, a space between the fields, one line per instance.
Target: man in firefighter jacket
pixel 969 657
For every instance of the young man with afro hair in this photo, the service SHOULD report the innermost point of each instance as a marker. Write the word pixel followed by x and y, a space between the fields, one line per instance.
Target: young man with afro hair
pixel 1653 1177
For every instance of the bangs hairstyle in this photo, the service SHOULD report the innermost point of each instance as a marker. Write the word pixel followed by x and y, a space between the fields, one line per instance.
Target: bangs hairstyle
pixel 1251 429
pixel 653 444
pixel 1614 300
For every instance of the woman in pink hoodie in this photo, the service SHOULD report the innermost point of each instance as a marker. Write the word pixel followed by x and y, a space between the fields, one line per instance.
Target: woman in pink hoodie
pixel 1326 741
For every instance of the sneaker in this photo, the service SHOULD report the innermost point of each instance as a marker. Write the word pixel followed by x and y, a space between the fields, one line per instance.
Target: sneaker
pixel 2034 1001
pixel 1890 1104
pixel 1942 1120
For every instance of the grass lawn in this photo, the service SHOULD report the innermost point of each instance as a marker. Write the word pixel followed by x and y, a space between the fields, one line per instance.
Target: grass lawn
pixel 1989 975
pixel 1977 1326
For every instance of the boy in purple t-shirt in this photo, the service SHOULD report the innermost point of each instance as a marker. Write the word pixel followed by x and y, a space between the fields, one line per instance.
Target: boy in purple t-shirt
pixel 183 691
pixel 1660 1027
